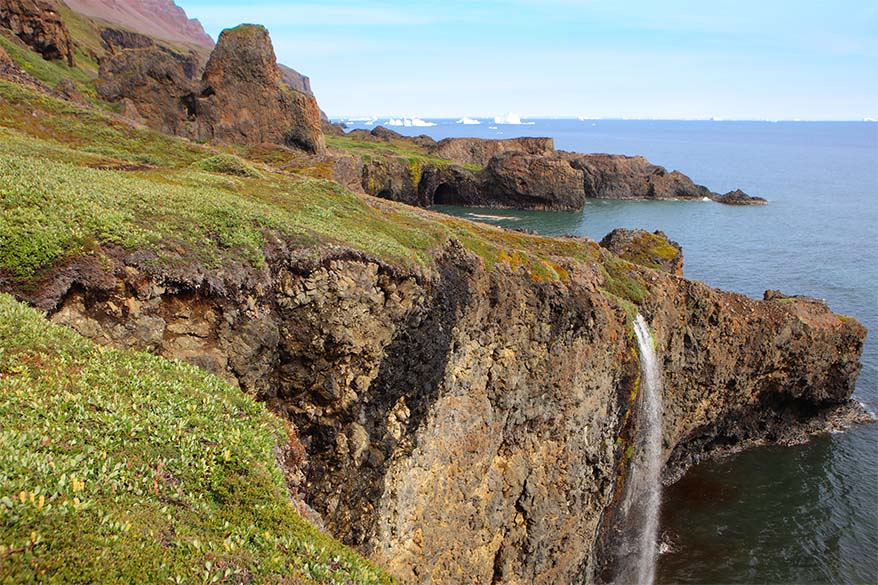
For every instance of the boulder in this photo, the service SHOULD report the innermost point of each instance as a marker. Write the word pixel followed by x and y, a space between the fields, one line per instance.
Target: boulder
pixel 243 100
pixel 38 24
pixel 653 250
pixel 67 90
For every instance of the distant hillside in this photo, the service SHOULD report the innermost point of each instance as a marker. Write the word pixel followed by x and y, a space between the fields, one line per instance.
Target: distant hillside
pixel 161 19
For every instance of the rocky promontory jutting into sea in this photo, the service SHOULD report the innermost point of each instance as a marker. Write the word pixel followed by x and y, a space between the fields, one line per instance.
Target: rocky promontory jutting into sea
pixel 454 401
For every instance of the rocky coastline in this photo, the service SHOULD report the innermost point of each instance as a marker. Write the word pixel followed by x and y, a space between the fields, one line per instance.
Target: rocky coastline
pixel 464 421
pixel 519 173
pixel 463 397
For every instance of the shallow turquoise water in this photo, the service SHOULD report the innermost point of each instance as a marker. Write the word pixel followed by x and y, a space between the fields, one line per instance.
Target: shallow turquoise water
pixel 806 514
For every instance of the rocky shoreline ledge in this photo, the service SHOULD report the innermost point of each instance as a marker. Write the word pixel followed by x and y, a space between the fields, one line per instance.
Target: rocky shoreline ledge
pixel 519 173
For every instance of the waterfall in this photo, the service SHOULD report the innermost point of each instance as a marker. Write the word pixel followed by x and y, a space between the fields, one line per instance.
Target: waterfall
pixel 643 497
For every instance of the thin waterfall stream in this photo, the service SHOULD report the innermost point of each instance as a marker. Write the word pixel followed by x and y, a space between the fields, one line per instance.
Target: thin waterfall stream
pixel 643 499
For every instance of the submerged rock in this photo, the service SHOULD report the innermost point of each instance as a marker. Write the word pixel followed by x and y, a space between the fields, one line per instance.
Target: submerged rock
pixel 738 197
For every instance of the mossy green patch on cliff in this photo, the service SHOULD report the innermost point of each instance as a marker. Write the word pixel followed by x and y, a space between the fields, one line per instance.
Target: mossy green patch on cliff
pixel 623 279
pixel 384 149
pixel 647 248
pixel 122 467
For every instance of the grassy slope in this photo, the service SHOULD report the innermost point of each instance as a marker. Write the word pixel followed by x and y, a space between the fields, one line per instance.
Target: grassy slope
pixel 380 149
pixel 119 466
pixel 57 204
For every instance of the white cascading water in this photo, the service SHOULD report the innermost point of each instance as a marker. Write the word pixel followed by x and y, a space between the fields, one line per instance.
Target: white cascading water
pixel 645 490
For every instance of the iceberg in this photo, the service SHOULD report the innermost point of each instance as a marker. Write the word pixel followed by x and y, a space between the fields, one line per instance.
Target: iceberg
pixel 511 119
pixel 468 121
pixel 408 122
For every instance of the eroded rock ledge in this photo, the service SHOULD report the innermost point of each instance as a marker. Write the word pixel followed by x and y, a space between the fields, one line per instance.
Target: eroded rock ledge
pixel 520 173
pixel 467 424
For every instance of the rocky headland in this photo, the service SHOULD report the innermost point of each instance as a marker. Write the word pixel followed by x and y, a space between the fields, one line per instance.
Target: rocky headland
pixel 462 400
pixel 521 173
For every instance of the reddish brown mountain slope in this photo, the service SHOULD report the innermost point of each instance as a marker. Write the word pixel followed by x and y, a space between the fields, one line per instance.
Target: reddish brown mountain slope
pixel 161 19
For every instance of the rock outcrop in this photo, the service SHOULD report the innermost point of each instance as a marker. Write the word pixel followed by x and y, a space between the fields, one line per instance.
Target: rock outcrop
pixel 243 101
pixel 531 181
pixel 738 197
pixel 472 424
pixel 609 176
pixel 160 19
pixel 480 151
pixel 653 250
pixel 525 173
pixel 156 83
pixel 38 24
pixel 239 99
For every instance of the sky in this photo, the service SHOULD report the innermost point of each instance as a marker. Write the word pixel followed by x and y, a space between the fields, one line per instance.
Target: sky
pixel 678 59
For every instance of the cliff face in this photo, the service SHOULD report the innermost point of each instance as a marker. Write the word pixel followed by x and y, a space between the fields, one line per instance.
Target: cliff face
pixel 479 152
pixel 161 19
pixel 472 423
pixel 520 173
pixel 38 24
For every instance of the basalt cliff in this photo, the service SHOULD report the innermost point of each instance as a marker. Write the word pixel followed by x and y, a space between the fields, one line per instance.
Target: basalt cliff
pixel 521 173
pixel 461 400
pixel 472 424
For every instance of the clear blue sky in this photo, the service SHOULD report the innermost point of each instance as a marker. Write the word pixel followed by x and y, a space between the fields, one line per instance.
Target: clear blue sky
pixel 762 59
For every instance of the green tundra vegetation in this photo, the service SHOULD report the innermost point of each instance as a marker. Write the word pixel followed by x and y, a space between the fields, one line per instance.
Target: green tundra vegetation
pixel 73 178
pixel 119 466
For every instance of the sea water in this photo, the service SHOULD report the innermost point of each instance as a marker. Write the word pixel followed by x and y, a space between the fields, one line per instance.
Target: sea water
pixel 806 514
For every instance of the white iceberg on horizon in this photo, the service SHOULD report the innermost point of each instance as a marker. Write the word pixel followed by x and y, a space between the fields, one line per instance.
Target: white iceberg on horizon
pixel 408 122
pixel 468 121
pixel 511 119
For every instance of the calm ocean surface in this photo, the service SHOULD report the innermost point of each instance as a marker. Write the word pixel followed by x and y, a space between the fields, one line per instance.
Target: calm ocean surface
pixel 806 514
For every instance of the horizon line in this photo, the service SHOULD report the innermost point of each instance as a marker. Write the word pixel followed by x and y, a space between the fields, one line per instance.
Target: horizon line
pixel 352 117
